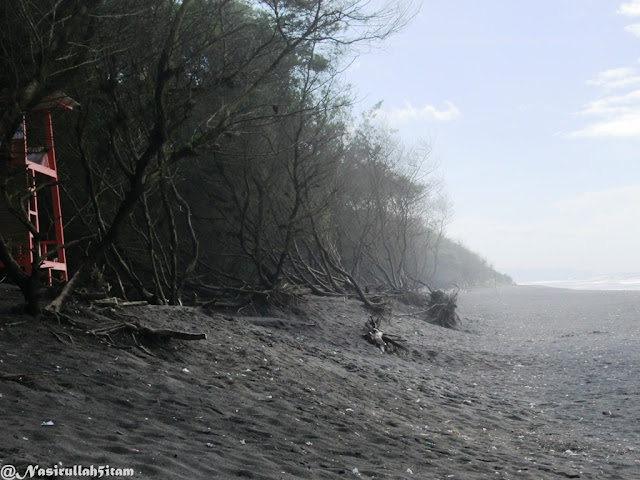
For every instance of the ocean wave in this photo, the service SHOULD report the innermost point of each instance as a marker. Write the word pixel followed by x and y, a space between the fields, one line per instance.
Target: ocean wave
pixel 627 281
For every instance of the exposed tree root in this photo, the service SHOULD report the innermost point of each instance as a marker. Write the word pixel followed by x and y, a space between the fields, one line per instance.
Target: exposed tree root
pixel 124 334
pixel 384 341
pixel 441 308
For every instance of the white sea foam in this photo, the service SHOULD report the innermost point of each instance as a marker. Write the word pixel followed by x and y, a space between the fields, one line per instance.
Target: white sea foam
pixel 625 281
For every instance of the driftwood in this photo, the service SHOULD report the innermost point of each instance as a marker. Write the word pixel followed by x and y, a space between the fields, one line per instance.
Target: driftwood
pixel 139 334
pixel 139 303
pixel 116 302
pixel 224 303
pixel 384 341
pixel 90 295
pixel 129 334
pixel 139 331
pixel 22 377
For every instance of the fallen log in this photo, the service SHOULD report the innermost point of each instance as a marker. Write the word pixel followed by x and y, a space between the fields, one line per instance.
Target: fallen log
pixel 22 377
pixel 142 331
pixel 117 302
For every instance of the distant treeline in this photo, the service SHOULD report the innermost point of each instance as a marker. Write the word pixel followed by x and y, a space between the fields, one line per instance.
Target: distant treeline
pixel 215 149
pixel 461 266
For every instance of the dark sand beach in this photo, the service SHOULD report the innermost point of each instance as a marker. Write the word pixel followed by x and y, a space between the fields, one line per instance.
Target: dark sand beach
pixel 538 384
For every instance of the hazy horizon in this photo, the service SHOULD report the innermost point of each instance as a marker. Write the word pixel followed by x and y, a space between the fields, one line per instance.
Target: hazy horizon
pixel 532 110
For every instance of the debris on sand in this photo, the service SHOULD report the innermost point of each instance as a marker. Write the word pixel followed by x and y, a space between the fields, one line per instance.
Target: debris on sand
pixel 441 308
pixel 384 341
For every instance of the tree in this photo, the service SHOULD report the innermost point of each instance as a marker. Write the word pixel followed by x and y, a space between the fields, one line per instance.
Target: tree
pixel 154 102
pixel 391 212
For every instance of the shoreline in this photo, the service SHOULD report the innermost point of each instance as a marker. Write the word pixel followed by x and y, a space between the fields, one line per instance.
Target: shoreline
pixel 606 282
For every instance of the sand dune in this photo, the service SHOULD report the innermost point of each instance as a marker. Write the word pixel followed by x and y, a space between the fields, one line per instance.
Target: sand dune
pixel 540 384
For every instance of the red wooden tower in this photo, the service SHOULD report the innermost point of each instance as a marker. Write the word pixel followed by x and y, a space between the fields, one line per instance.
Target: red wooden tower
pixel 44 212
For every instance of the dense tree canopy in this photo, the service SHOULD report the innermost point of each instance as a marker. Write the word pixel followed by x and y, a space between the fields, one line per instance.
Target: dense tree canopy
pixel 215 148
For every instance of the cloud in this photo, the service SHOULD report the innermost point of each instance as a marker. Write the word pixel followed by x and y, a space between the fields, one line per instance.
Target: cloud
pixel 428 113
pixel 633 29
pixel 616 78
pixel 630 9
pixel 622 126
pixel 618 116
pixel 615 116
pixel 613 105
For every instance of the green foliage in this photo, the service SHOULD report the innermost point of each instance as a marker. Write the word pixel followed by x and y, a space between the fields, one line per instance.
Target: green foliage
pixel 457 265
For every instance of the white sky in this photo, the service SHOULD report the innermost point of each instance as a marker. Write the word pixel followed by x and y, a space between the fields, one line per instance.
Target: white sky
pixel 532 108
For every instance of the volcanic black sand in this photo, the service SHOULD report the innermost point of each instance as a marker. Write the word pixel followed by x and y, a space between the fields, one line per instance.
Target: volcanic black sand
pixel 538 384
